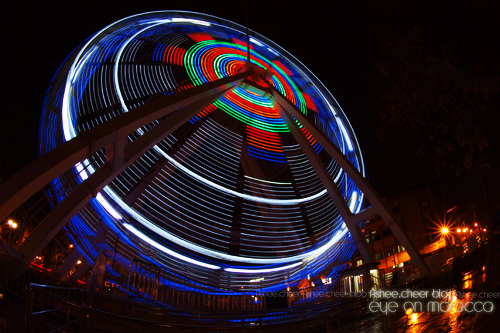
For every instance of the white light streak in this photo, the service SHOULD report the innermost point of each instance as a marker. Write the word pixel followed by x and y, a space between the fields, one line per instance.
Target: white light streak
pixel 257 280
pixel 164 249
pixel 238 194
pixel 253 40
pixel 352 203
pixel 345 134
pixel 108 207
pixel 81 171
pixel 199 22
pixel 267 181
pixel 272 51
pixel 265 270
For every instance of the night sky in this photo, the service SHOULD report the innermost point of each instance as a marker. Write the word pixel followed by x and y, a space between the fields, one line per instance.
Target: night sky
pixel 339 43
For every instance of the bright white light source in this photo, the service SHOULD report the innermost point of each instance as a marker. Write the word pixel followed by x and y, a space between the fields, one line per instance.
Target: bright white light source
pixel 199 22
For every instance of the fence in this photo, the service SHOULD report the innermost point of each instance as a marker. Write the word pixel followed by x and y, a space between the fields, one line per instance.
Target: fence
pixel 65 309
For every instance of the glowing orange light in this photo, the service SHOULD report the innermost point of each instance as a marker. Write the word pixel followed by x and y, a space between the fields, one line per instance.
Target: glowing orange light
pixel 484 230
pixel 78 262
pixel 459 230
pixel 409 311
pixel 70 246
pixel 13 225
pixel 466 229
pixel 414 317
pixel 9 222
pixel 475 224
pixel 444 230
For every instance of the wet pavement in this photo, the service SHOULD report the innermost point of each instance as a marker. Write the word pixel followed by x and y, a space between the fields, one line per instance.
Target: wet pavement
pixel 465 310
pixel 458 316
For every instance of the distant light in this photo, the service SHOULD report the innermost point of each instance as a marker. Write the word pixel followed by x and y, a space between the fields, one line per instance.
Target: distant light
pixel 449 210
pixel 70 246
pixel 444 230
pixel 9 222
pixel 484 230
pixel 459 230
pixel 13 225
pixel 409 311
pixel 466 229
pixel 475 224
pixel 78 262
pixel 414 317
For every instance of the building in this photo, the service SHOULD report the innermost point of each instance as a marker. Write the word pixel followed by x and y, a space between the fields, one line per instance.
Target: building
pixel 421 213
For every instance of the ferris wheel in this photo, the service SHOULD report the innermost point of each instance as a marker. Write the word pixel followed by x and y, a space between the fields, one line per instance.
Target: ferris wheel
pixel 242 182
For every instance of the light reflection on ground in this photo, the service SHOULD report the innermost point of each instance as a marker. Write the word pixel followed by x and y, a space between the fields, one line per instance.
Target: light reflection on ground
pixel 454 320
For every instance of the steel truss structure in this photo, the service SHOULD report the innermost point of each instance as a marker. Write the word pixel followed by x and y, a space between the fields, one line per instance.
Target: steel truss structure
pixel 161 142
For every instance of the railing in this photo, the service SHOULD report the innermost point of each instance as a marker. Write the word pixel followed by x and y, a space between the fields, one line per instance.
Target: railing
pixel 48 309
pixel 144 280
pixel 74 310
pixel 15 275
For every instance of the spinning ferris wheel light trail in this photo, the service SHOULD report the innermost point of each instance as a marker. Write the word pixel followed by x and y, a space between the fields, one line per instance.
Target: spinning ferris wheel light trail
pixel 201 153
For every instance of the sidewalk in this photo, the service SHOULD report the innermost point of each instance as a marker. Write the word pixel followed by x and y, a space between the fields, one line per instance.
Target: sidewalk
pixel 456 320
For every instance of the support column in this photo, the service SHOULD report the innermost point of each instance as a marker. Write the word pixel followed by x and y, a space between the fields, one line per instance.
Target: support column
pixel 328 183
pixel 76 255
pixel 376 201
pixel 89 188
pixel 20 187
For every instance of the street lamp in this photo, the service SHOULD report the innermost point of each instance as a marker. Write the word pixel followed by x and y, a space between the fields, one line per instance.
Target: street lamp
pixel 444 230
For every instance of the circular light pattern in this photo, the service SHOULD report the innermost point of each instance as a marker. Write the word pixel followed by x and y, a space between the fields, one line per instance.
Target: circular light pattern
pixel 229 196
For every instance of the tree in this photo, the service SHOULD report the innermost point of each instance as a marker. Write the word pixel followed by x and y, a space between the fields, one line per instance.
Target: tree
pixel 440 105
pixel 437 102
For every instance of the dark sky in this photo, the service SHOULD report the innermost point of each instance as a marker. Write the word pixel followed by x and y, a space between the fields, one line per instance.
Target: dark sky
pixel 339 42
